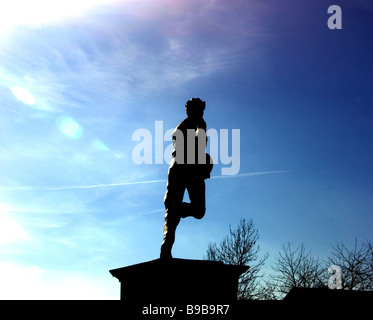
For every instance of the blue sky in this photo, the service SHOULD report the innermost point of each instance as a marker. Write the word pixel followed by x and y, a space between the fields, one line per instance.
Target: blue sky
pixel 78 78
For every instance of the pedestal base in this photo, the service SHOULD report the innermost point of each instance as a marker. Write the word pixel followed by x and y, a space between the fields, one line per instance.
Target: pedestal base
pixel 179 280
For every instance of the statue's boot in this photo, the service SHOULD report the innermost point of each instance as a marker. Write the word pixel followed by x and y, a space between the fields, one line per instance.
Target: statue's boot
pixel 171 221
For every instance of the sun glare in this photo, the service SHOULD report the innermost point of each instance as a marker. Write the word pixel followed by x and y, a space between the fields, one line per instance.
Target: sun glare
pixel 70 127
pixel 35 13
pixel 23 95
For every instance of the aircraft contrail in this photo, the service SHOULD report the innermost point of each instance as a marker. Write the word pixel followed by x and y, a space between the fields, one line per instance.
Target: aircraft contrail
pixel 100 185
pixel 248 174
pixel 129 183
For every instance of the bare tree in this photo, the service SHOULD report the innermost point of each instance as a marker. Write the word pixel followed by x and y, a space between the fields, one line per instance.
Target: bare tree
pixel 296 268
pixel 369 265
pixel 356 265
pixel 240 248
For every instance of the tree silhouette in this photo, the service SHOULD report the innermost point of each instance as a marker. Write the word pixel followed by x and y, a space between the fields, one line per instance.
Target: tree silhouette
pixel 240 247
pixel 296 268
pixel 356 265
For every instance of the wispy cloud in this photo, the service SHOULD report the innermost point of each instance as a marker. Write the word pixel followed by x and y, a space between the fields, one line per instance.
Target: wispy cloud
pixel 57 188
pixel 129 183
pixel 64 72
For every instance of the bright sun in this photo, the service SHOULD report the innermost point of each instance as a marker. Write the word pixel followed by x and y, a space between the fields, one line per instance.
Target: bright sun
pixel 35 13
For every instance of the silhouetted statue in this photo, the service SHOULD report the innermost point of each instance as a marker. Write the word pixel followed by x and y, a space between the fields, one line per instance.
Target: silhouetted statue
pixel 189 168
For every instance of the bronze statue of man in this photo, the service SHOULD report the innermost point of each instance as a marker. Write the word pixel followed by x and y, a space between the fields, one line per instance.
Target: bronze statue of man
pixel 189 168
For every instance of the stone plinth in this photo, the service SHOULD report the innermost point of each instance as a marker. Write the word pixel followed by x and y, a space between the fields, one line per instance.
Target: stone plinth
pixel 179 280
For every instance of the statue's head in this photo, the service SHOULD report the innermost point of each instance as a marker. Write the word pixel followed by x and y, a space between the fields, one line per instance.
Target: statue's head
pixel 195 107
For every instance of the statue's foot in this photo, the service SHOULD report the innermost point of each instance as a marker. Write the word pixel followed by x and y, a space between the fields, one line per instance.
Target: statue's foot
pixel 165 255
